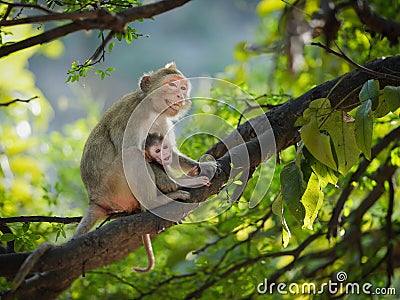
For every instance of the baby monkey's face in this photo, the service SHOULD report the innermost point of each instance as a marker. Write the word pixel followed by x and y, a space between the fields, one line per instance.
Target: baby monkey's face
pixel 161 153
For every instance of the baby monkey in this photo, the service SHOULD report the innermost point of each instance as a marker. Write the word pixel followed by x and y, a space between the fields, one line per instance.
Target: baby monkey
pixel 157 150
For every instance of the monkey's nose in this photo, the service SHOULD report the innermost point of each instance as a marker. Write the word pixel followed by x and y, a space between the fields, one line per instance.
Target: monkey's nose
pixel 180 99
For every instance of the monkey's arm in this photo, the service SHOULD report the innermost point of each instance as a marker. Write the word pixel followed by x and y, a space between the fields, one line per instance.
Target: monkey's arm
pixel 162 180
pixel 193 182
pixel 182 163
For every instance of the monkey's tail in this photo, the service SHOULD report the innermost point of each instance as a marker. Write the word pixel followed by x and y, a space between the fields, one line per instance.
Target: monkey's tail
pixel 150 255
pixel 28 264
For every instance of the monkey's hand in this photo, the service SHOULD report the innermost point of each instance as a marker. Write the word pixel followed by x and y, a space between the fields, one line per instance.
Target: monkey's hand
pixel 166 184
pixel 208 169
pixel 179 194
pixel 201 180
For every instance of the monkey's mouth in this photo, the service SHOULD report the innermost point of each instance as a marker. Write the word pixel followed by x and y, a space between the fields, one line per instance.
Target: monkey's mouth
pixel 167 160
pixel 175 106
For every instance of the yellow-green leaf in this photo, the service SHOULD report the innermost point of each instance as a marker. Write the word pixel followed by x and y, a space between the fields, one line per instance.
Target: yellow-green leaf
pixel 325 175
pixel 342 135
pixel 266 7
pixel 317 143
pixel 277 209
pixel 312 201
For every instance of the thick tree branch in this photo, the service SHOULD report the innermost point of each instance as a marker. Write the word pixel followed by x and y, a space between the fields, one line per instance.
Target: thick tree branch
pixel 106 245
pixel 88 20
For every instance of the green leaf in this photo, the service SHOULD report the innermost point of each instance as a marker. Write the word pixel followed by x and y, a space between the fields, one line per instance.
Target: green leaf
pixel 392 97
pixel 7 237
pixel 25 227
pixel 364 128
pixel 395 157
pixel 292 190
pixel 382 109
pixel 34 237
pixel 111 46
pixel 370 90
pixel 18 244
pixel 266 7
pixel 312 201
pixel 240 52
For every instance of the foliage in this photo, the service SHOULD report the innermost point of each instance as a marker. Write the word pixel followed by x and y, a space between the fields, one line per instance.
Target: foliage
pixel 330 206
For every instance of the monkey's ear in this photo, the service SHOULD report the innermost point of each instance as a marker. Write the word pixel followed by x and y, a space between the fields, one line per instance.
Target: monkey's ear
pixel 145 83
pixel 171 65
pixel 147 156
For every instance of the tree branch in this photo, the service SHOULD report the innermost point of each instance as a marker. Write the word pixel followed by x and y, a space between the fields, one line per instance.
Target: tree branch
pixel 10 6
pixel 88 20
pixel 375 22
pixel 28 219
pixel 18 100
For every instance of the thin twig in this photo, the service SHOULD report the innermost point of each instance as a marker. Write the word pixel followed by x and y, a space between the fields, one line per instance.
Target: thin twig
pixel 27 5
pixel 18 100
pixel 342 55
pixel 100 49
pixel 118 278
pixel 29 219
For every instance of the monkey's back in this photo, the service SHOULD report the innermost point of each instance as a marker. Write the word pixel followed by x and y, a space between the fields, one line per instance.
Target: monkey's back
pixel 104 144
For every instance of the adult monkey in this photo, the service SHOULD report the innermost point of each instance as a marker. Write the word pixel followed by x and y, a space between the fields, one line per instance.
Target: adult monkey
pixel 166 94
pixel 163 95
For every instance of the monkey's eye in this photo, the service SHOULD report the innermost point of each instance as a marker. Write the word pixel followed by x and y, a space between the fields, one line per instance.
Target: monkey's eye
pixel 165 147
pixel 183 88
pixel 158 150
pixel 172 84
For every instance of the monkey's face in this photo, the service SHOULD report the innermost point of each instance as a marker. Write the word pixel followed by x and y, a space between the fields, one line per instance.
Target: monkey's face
pixel 161 153
pixel 172 96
